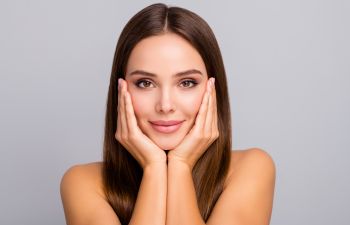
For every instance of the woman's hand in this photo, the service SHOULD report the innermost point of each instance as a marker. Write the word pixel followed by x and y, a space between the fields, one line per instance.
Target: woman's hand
pixel 203 133
pixel 128 133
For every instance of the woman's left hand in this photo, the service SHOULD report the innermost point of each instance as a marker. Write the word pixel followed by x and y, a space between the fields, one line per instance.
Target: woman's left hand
pixel 203 133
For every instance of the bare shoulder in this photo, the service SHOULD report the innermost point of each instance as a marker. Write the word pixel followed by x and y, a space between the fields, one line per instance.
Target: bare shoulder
pixel 251 154
pixel 250 161
pixel 82 196
pixel 88 173
pixel 249 190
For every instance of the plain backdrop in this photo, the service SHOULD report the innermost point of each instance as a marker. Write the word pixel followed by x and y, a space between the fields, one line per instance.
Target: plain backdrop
pixel 287 65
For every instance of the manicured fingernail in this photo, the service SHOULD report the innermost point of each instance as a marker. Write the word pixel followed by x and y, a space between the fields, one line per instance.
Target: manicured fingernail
pixel 213 81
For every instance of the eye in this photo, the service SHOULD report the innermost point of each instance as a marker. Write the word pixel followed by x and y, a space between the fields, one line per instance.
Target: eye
pixel 143 84
pixel 186 82
pixel 147 82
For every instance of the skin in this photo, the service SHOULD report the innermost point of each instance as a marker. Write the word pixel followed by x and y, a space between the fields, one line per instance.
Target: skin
pixel 190 98
pixel 166 97
pixel 166 194
pixel 247 192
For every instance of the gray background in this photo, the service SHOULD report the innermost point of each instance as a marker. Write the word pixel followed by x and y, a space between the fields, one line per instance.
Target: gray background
pixel 288 69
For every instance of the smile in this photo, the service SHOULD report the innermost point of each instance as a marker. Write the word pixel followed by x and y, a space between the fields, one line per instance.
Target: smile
pixel 166 129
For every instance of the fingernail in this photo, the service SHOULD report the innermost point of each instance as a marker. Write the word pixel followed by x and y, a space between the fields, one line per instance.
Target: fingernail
pixel 213 81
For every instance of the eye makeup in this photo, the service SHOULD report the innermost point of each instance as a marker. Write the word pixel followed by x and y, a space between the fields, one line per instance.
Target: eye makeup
pixel 149 82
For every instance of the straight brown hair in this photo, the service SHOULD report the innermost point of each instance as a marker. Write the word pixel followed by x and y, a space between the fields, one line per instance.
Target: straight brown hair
pixel 121 172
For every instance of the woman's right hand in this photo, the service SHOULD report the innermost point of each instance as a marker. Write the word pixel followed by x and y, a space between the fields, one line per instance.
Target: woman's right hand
pixel 128 133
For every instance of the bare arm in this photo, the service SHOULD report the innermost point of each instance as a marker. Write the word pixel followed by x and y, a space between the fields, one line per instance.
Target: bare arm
pixel 83 204
pixel 182 207
pixel 150 207
pixel 247 199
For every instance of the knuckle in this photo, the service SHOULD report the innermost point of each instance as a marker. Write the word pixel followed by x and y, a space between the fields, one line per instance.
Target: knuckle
pixel 207 136
pixel 133 136
pixel 124 137
pixel 217 134
pixel 117 136
pixel 198 137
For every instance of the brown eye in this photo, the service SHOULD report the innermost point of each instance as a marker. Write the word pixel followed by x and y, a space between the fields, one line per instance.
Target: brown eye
pixel 189 82
pixel 145 82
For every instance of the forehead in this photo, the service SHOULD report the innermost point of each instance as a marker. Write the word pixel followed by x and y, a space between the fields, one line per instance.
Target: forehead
pixel 164 54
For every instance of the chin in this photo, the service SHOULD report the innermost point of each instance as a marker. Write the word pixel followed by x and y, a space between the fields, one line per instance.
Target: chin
pixel 167 143
pixel 166 146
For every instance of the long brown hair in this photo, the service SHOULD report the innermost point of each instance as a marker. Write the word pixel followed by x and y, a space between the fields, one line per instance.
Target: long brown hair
pixel 121 172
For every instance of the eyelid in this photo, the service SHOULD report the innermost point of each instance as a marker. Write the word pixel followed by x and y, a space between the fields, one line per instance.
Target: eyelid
pixel 137 83
pixel 141 80
pixel 193 81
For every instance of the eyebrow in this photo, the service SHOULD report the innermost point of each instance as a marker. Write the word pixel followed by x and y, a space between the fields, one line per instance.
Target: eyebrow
pixel 179 74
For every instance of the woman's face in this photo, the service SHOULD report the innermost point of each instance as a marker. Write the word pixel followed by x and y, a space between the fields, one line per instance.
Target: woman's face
pixel 163 95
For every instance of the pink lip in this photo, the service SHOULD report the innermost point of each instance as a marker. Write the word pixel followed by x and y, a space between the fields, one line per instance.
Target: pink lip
pixel 166 123
pixel 174 126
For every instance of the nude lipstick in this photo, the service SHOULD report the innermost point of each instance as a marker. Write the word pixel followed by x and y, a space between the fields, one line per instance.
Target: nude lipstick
pixel 166 126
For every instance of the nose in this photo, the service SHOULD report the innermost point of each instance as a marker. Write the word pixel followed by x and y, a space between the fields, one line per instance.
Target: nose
pixel 165 103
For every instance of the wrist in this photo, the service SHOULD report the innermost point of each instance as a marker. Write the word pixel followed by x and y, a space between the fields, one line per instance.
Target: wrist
pixel 155 165
pixel 177 162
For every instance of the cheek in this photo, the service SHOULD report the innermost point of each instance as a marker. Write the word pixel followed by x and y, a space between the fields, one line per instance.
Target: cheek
pixel 138 101
pixel 192 103
pixel 188 103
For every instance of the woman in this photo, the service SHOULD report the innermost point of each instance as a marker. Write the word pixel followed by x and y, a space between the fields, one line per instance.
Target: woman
pixel 167 147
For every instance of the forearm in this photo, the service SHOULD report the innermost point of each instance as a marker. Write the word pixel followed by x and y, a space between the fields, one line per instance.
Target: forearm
pixel 150 207
pixel 182 206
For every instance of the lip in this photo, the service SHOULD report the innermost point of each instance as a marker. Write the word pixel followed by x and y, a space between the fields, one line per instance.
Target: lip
pixel 166 123
pixel 166 126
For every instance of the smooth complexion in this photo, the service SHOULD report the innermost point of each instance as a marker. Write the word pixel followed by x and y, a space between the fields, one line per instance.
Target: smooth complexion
pixel 160 87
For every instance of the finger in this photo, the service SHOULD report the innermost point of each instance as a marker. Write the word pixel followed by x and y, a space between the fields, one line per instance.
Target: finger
pixel 209 117
pixel 122 111
pixel 130 114
pixel 119 125
pixel 215 118
pixel 199 124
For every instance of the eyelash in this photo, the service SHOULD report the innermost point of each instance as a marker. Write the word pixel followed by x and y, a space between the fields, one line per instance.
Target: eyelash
pixel 144 80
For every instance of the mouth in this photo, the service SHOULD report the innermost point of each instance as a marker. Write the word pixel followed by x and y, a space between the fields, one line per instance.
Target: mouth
pixel 160 127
